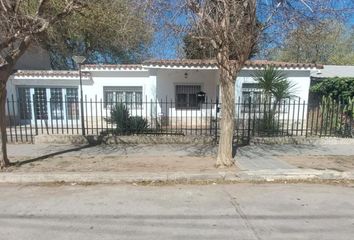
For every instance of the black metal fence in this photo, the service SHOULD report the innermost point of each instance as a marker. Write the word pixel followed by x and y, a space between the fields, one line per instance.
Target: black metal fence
pixel 27 118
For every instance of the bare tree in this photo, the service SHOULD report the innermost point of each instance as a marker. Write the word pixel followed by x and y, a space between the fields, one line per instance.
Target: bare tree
pixel 233 28
pixel 222 23
pixel 22 23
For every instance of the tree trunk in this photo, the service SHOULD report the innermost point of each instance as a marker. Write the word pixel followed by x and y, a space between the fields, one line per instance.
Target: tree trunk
pixel 4 161
pixel 225 151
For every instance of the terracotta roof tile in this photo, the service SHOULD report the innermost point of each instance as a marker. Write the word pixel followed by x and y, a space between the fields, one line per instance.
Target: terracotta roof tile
pixel 113 66
pixel 50 73
pixel 212 63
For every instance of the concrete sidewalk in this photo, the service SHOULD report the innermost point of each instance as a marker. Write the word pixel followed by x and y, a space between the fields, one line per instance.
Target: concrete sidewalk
pixel 256 163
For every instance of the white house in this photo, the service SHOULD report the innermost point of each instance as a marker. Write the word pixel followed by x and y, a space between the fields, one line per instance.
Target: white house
pixel 177 91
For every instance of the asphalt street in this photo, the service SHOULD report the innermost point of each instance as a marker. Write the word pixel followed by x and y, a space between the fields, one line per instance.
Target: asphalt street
pixel 240 211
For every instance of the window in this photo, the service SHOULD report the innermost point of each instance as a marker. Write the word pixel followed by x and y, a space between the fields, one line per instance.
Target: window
pixel 251 91
pixel 40 103
pixel 56 103
pixel 72 101
pixel 186 96
pixel 132 97
pixel 25 103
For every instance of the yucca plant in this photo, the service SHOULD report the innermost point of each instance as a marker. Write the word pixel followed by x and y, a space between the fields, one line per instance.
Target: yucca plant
pixel 275 87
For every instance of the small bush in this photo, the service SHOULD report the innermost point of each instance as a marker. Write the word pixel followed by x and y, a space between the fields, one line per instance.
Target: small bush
pixel 138 124
pixel 126 124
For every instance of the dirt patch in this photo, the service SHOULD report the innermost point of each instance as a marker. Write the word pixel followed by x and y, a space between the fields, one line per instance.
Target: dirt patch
pixel 337 163
pixel 149 164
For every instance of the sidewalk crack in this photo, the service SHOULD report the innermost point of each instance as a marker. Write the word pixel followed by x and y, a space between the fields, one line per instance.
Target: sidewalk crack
pixel 243 216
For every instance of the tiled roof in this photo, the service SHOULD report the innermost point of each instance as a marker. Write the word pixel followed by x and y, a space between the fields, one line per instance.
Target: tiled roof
pixel 212 63
pixel 112 67
pixel 330 71
pixel 50 73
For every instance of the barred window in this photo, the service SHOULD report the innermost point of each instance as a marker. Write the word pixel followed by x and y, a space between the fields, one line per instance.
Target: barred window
pixel 25 103
pixel 251 91
pixel 132 97
pixel 186 96
pixel 72 102
pixel 56 103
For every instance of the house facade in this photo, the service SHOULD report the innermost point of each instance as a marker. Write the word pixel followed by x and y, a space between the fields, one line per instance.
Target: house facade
pixel 169 92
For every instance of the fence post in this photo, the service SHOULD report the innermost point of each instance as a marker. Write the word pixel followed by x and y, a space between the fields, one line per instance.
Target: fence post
pixel 35 114
pixel 249 119
pixel 216 119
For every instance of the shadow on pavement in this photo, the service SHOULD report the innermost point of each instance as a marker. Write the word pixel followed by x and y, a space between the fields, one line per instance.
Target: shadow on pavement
pixel 52 155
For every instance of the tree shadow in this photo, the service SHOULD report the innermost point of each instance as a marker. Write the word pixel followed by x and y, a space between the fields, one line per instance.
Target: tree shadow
pixel 41 158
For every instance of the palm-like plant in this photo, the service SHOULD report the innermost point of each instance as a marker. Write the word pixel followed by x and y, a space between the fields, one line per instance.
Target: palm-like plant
pixel 275 87
pixel 274 84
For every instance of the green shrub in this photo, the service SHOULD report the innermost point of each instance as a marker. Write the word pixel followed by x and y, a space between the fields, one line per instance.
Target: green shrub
pixel 138 124
pixel 126 124
pixel 121 117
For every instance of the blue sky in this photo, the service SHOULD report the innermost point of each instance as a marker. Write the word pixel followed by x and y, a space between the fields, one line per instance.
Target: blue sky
pixel 167 47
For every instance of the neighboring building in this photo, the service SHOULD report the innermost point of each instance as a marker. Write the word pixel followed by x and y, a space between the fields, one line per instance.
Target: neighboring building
pixel 35 58
pixel 328 71
pixel 170 89
pixel 331 71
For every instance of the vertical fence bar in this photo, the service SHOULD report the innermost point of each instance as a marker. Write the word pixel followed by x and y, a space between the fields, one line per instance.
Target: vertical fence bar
pixel 72 116
pixel 302 119
pixel 249 120
pixel 96 113
pixel 105 102
pixel 254 106
pixel 237 117
pixel 279 113
pixel 13 111
pixel 201 120
pixel 283 120
pixel 86 116
pixel 322 118
pixel 151 116
pixel 35 114
pixel 328 114
pixel 351 112
pixel 156 115
pixel 77 119
pixel 10 118
pixel 30 120
pixel 67 114
pixel 101 115
pixel 341 106
pixel 298 115
pixel 259 115
pixel 243 119
pixel 216 119
pixel 292 120
pixel 170 114
pixel 312 118
pixel 19 120
pixel 288 120
pixel 62 116
pixel 332 116
pixel 317 118
pixel 25 114
pixel 51 109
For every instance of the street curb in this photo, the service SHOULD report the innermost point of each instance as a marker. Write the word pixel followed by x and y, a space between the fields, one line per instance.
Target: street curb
pixel 294 175
pixel 109 177
pixel 177 177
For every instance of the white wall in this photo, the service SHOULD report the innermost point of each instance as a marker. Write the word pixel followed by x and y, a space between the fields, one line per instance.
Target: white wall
pixel 158 84
pixel 167 79
pixel 299 77
pixel 294 110
pixel 119 79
